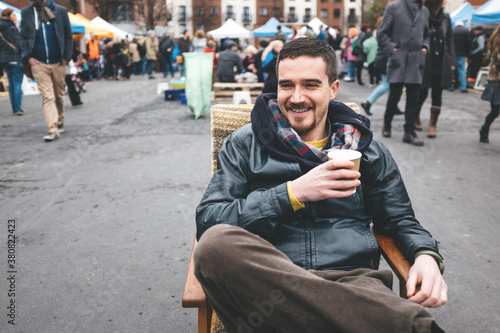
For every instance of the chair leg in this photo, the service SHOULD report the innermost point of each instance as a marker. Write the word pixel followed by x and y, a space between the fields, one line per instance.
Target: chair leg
pixel 205 319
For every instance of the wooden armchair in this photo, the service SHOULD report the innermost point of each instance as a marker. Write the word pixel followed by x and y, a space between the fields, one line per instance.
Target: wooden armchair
pixel 225 118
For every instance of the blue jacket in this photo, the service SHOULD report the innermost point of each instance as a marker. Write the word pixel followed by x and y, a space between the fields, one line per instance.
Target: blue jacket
pixel 51 42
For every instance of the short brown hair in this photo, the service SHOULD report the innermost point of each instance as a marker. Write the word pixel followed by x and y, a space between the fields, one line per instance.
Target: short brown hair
pixel 314 48
pixel 6 13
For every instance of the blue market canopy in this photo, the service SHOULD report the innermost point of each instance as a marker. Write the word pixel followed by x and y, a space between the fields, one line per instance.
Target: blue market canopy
pixel 462 13
pixel 271 28
pixel 77 29
pixel 487 13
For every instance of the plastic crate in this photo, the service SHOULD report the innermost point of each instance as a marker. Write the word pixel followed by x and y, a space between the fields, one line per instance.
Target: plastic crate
pixel 178 84
pixel 173 94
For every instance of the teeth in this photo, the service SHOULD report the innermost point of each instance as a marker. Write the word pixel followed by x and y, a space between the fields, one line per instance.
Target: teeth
pixel 299 110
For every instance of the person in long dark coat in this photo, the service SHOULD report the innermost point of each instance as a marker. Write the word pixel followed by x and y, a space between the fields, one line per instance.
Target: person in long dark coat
pixel 404 34
pixel 439 63
pixel 492 90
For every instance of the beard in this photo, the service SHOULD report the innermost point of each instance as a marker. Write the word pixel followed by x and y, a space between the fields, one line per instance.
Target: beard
pixel 301 126
pixel 38 3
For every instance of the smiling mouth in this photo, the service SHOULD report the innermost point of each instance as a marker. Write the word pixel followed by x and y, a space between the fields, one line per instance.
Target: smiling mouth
pixel 302 109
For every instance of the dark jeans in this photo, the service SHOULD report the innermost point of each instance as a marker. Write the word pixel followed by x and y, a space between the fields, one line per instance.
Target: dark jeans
pixel 15 76
pixel 150 65
pixel 359 71
pixel 225 78
pixel 374 74
pixel 436 92
pixel 95 68
pixel 253 287
pixel 167 64
pixel 74 96
pixel 412 105
pixel 475 64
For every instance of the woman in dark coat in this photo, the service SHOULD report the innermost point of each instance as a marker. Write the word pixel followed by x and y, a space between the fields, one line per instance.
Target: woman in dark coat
pixel 440 62
pixel 492 90
pixel 10 58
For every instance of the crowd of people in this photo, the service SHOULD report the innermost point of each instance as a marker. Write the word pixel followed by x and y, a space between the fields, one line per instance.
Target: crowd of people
pixel 452 58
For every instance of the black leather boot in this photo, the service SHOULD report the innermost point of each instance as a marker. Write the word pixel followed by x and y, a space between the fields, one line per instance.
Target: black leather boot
pixel 483 134
pixel 366 106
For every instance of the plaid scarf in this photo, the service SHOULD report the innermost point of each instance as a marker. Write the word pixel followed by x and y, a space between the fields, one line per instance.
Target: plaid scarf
pixel 347 130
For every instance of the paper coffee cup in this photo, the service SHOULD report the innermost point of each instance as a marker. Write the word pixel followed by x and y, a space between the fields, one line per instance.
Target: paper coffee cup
pixel 346 155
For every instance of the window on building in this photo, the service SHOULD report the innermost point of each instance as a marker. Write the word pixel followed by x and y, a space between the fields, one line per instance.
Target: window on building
pixel 121 11
pixel 292 17
pixel 200 10
pixel 277 12
pixel 182 13
pixel 336 13
pixel 200 27
pixel 263 11
pixel 324 0
pixel 246 14
pixel 229 12
pixel 214 10
pixel 307 16
pixel 182 28
pixel 323 13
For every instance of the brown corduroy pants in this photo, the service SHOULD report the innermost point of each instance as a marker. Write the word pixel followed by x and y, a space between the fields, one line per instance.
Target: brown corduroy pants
pixel 253 287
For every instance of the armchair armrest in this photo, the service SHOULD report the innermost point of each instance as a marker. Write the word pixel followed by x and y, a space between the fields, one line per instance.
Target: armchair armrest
pixel 194 297
pixel 398 263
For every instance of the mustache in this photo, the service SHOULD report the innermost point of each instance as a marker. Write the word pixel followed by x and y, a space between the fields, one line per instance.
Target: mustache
pixel 297 106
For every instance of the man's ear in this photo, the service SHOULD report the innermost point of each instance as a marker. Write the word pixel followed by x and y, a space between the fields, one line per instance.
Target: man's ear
pixel 334 88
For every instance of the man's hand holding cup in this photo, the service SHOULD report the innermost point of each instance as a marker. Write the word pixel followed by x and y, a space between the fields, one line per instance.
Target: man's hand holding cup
pixel 337 178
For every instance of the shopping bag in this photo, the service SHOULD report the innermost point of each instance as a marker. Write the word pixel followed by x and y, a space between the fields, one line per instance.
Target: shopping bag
pixel 198 71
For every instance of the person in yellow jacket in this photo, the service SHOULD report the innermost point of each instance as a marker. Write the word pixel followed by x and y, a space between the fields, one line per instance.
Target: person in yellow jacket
pixel 150 52
pixel 94 57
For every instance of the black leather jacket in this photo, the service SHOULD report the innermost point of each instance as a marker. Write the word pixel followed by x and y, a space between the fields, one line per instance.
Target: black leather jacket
pixel 249 189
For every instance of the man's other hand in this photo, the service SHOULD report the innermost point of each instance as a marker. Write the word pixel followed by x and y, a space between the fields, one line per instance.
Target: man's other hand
pixel 433 289
pixel 326 181
pixel 33 62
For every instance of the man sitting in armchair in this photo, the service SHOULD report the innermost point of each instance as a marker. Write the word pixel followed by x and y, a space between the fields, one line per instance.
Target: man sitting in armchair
pixel 282 245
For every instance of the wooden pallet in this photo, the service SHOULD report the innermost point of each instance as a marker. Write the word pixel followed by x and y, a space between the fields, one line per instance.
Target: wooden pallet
pixel 225 91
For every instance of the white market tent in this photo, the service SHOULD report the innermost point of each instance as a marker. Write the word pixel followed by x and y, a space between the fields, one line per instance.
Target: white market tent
pixel 230 29
pixel 108 26
pixel 316 24
pixel 487 13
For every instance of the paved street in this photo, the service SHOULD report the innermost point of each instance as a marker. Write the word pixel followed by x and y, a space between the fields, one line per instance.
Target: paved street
pixel 104 216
